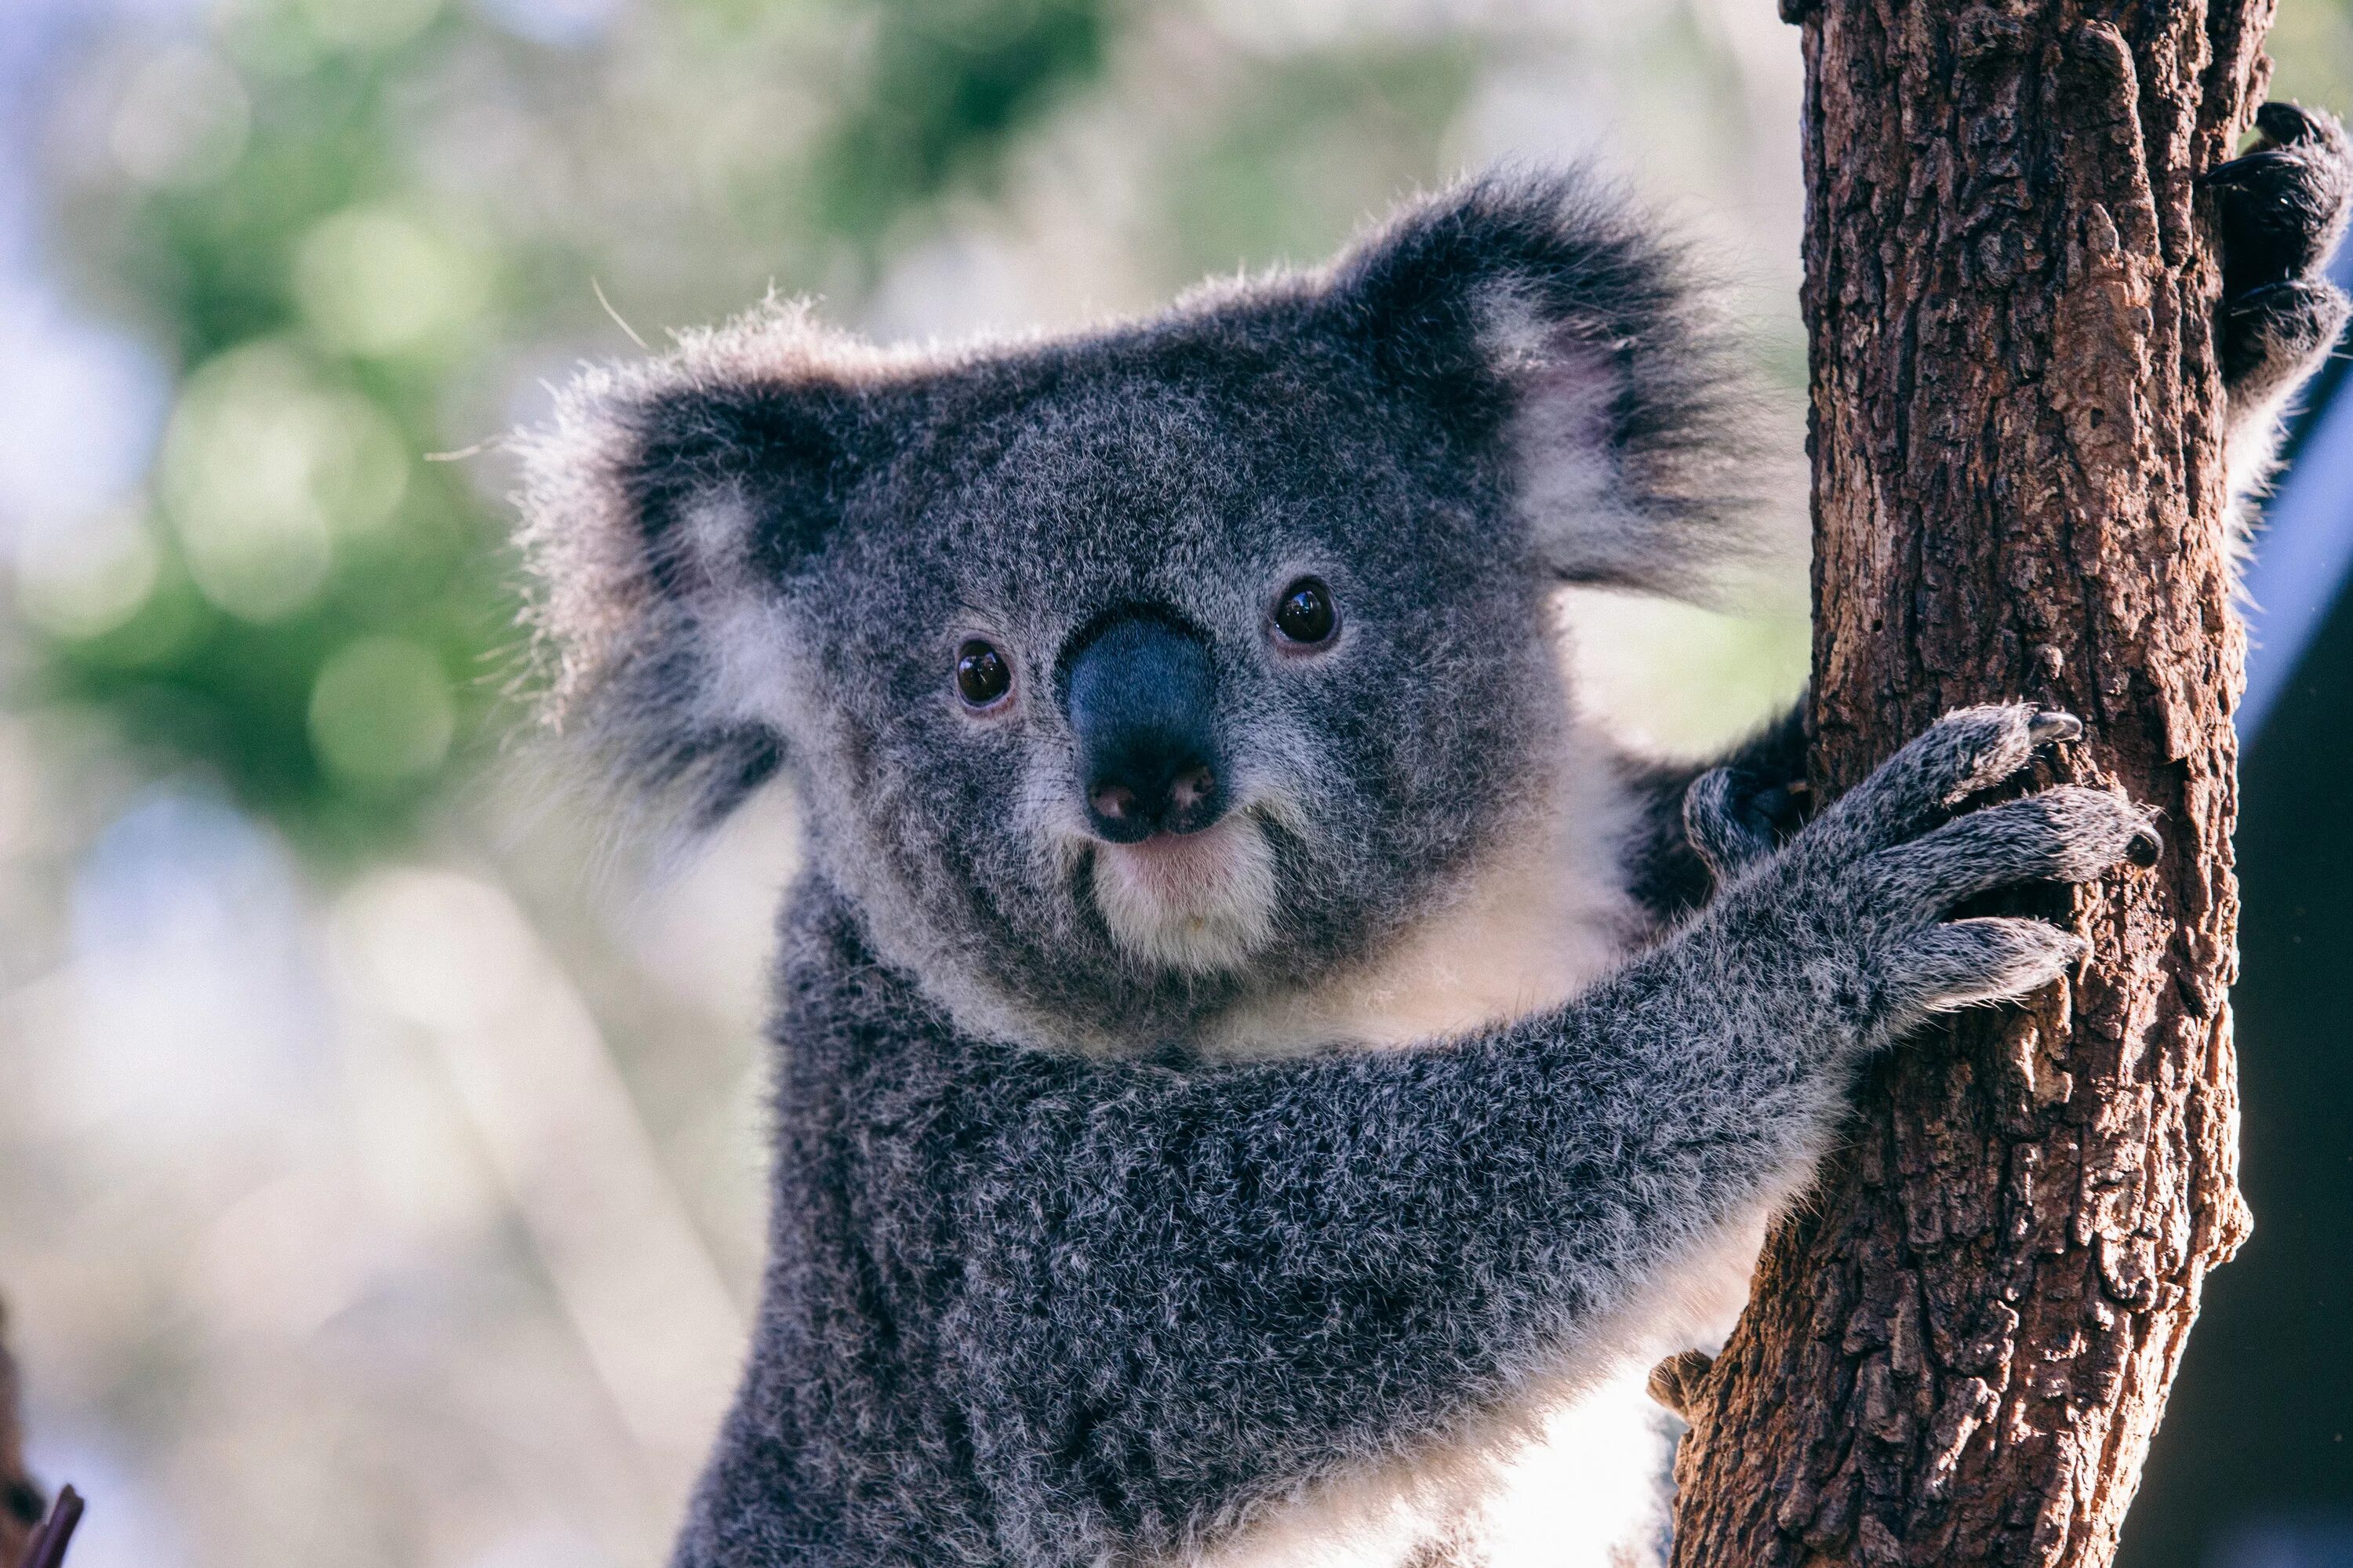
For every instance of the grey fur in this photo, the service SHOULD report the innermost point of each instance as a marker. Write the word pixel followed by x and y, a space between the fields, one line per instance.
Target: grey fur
pixel 2285 207
pixel 1373 423
pixel 1055 1280
pixel 1039 1307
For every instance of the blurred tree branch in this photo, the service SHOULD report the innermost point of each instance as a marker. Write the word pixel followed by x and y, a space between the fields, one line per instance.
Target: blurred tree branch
pixel 21 1502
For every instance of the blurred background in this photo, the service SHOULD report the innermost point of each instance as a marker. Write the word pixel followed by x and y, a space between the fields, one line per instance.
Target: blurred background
pixel 380 1136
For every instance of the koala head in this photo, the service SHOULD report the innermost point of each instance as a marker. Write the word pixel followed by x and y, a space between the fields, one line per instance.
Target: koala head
pixel 1125 675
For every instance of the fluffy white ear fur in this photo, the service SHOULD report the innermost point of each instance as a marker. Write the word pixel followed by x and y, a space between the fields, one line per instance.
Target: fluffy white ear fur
pixel 598 591
pixel 654 649
pixel 1593 523
pixel 1632 428
pixel 1573 494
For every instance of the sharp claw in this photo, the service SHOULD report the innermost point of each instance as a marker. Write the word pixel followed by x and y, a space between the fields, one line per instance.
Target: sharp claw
pixel 2238 172
pixel 2263 298
pixel 2054 725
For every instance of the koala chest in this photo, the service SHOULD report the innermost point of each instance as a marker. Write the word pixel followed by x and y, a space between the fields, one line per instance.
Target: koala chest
pixel 1571 1473
pixel 1579 1491
pixel 1547 915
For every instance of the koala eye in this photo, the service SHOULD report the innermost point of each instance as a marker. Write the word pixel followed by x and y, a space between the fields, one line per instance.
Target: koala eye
pixel 1305 614
pixel 983 675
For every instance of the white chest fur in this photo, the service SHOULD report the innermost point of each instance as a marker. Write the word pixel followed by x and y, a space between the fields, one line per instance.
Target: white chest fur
pixel 1568 1476
pixel 1545 917
pixel 1571 1475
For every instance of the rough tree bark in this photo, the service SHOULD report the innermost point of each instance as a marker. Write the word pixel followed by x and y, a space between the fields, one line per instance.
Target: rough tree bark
pixel 1959 1353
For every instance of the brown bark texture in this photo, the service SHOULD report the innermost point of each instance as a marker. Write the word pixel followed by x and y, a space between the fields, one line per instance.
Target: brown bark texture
pixel 1958 1352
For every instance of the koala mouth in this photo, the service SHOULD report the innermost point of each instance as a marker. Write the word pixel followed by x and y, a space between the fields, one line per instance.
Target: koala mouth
pixel 1199 902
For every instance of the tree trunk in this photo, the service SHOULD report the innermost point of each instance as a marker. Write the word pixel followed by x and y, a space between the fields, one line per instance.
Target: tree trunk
pixel 1957 1353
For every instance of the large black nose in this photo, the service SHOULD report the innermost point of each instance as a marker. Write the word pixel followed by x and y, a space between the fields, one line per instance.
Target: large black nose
pixel 1142 700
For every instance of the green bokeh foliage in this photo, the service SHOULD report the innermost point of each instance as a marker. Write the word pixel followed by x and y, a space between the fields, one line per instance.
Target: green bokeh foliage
pixel 934 94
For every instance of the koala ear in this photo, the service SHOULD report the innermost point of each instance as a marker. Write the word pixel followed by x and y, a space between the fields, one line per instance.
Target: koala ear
pixel 664 510
pixel 1544 314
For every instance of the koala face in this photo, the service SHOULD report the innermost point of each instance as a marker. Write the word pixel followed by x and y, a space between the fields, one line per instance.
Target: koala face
pixel 1140 670
pixel 1125 675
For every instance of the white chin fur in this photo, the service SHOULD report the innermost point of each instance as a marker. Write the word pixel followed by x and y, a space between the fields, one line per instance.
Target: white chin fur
pixel 1200 903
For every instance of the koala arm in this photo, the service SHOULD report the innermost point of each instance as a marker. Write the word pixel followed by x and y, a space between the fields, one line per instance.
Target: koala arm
pixel 1133 1299
pixel 2281 209
pixel 1153 1294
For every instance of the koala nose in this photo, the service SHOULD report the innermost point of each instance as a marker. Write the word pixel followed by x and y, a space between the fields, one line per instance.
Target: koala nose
pixel 1142 701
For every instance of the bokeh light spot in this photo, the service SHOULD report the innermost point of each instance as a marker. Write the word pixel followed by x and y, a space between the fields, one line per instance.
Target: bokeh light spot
pixel 263 465
pixel 380 712
pixel 182 121
pixel 375 282
pixel 366 24
pixel 87 578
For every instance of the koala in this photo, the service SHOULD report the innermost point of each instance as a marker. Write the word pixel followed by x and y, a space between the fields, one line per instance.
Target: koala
pixel 1253 1063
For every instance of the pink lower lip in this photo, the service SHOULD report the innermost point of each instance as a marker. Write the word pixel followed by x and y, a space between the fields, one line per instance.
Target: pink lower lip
pixel 1172 862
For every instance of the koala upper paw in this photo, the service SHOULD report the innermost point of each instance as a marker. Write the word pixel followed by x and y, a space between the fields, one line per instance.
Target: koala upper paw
pixel 1734 817
pixel 1862 899
pixel 2282 209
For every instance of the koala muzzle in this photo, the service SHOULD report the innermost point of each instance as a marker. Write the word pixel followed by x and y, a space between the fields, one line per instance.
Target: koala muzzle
pixel 1142 698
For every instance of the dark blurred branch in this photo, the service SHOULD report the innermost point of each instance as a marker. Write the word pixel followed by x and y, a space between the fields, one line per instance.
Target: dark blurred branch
pixel 21 1502
pixel 47 1549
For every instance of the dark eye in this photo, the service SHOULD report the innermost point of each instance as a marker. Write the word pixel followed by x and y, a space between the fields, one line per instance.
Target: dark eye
pixel 1305 613
pixel 982 674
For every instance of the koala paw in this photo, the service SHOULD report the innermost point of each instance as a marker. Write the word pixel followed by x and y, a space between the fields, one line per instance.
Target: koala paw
pixel 2282 209
pixel 1734 817
pixel 1676 1381
pixel 1856 912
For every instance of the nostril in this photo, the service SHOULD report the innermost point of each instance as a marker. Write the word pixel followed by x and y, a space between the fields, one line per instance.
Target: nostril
pixel 1191 787
pixel 1176 795
pixel 1113 802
